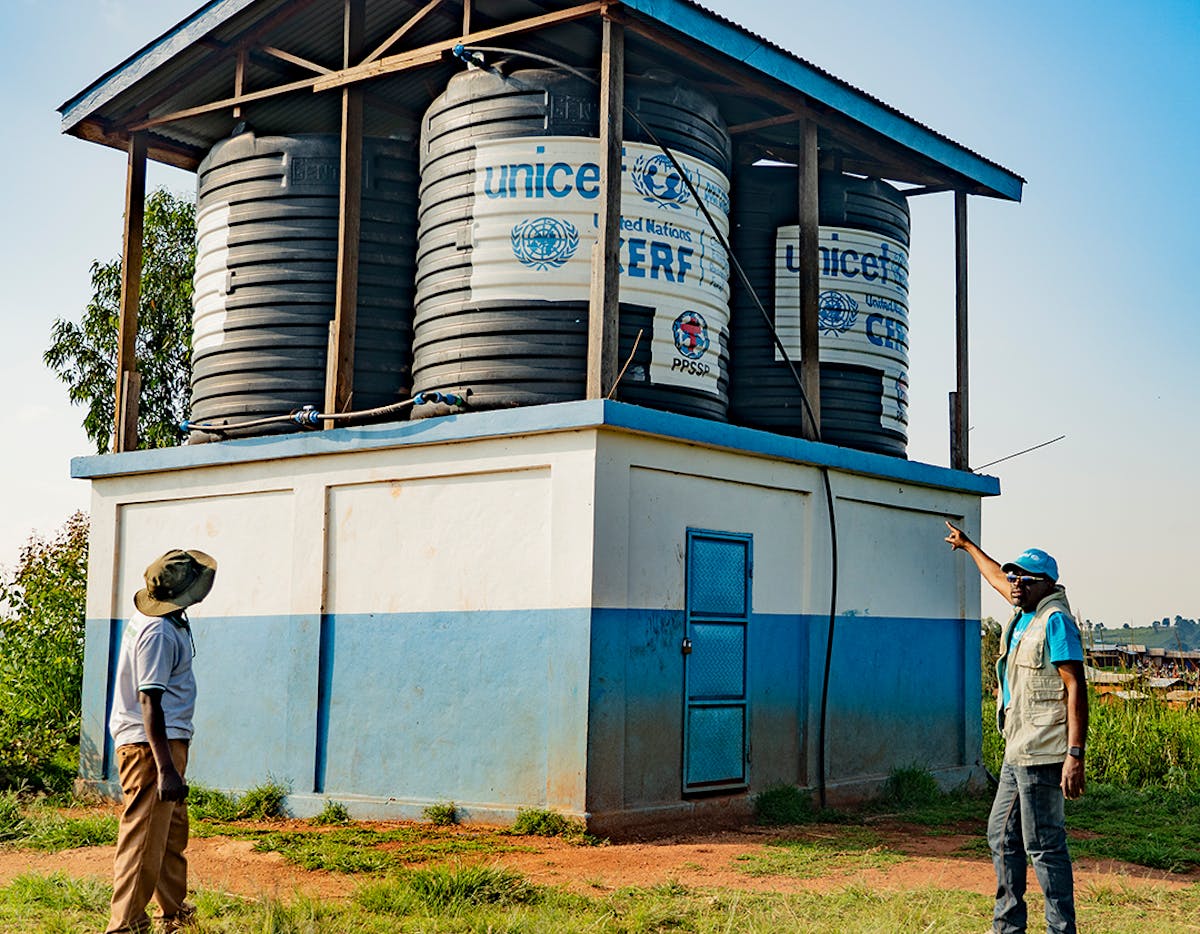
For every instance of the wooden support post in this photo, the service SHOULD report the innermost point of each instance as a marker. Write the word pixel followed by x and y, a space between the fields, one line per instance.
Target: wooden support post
pixel 810 282
pixel 960 422
pixel 339 383
pixel 466 17
pixel 239 81
pixel 604 306
pixel 125 437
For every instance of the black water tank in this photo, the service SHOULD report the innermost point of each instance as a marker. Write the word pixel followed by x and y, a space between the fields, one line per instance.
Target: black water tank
pixel 863 301
pixel 266 274
pixel 509 186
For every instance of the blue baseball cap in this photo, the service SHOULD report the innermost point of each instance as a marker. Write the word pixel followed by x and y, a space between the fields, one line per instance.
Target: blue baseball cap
pixel 1034 561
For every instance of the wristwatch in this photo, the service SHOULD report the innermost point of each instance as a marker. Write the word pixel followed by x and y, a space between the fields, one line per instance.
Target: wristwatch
pixel 1076 752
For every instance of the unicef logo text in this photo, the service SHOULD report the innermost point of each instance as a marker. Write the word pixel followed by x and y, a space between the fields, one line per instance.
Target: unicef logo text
pixel 657 180
pixel 836 312
pixel 544 242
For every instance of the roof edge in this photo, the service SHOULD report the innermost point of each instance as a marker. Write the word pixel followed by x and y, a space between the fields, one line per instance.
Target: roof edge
pixel 146 59
pixel 738 43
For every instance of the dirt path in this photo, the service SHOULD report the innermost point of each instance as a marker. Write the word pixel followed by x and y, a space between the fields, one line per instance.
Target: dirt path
pixel 694 860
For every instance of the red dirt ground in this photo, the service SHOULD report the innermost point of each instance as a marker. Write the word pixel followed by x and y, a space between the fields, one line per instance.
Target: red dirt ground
pixel 699 859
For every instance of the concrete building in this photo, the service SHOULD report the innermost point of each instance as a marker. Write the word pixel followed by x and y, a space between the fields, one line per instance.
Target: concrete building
pixel 625 614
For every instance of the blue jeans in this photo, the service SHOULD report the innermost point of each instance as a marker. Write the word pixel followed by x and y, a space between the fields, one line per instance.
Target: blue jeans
pixel 1027 821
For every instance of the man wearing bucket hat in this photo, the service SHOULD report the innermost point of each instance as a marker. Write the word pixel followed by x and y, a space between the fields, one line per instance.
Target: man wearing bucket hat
pixel 151 726
pixel 1042 710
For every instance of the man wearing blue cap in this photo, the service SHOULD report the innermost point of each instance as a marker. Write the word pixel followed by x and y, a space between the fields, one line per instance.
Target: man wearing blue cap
pixel 1042 710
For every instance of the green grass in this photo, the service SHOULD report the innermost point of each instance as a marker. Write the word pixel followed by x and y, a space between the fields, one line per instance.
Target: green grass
pixel 838 851
pixel 360 850
pixel 910 787
pixel 1152 827
pixel 481 900
pixel 334 812
pixel 38 824
pixel 208 804
pixel 262 802
pixel 781 805
pixel 442 814
pixel 537 822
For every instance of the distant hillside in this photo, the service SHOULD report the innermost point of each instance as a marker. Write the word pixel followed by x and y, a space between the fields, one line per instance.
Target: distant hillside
pixel 1162 638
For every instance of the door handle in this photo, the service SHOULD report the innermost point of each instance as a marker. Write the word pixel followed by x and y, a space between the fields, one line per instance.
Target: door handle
pixel 686 648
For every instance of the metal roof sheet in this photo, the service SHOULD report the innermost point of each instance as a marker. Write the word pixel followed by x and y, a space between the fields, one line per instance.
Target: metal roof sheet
pixel 192 63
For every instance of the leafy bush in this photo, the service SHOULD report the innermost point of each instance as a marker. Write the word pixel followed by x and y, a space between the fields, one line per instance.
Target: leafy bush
pixel 541 822
pixel 1144 744
pixel 262 801
pixel 443 813
pixel 41 658
pixel 783 804
pixel 334 812
pixel 909 787
pixel 209 804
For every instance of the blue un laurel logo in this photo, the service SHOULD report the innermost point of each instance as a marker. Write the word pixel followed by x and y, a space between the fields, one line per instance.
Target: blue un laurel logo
pixel 657 180
pixel 544 242
pixel 836 312
pixel 690 331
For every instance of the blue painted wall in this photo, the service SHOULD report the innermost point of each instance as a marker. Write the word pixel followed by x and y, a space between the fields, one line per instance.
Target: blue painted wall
pixel 896 697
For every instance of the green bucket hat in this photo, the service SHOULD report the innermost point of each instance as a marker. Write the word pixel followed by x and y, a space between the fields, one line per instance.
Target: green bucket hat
pixel 174 581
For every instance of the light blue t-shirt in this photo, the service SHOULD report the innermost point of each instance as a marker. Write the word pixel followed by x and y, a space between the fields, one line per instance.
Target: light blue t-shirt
pixel 1063 638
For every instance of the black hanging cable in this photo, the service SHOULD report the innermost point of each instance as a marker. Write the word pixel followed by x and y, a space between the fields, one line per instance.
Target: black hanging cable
pixel 471 55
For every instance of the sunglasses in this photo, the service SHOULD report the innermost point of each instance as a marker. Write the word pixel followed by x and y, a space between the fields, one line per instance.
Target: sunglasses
pixel 1025 579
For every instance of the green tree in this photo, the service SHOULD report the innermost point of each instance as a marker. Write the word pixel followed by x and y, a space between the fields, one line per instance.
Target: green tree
pixel 84 355
pixel 989 649
pixel 42 608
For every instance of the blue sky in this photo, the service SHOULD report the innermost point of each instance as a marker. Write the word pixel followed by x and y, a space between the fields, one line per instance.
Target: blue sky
pixel 1083 319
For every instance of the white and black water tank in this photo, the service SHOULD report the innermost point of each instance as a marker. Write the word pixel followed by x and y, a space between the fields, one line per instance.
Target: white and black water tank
pixel 266 275
pixel 863 302
pixel 508 206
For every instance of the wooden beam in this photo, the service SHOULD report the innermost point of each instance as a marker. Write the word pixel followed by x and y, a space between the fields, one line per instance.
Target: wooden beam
pixel 781 120
pixel 126 404
pixel 239 80
pixel 926 190
pixel 848 131
pixel 402 31
pixel 433 52
pixel 604 303
pixel 207 62
pixel 810 283
pixel 301 85
pixel 294 59
pixel 466 21
pixel 339 387
pixel 960 424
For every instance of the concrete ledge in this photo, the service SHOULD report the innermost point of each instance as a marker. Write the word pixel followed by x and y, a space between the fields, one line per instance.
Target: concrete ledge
pixel 531 420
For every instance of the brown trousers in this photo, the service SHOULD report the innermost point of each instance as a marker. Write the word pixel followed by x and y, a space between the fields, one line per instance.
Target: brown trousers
pixel 150 843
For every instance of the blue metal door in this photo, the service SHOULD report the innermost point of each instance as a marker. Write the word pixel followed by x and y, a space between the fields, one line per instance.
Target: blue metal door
pixel 719 572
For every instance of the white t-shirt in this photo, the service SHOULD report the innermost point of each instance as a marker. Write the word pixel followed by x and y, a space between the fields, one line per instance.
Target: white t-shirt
pixel 156 654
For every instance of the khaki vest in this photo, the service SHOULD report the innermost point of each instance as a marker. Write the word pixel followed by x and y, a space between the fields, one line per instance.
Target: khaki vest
pixel 1035 723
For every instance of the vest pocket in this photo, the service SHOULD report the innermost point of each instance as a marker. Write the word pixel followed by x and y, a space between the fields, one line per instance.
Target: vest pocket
pixel 1047 706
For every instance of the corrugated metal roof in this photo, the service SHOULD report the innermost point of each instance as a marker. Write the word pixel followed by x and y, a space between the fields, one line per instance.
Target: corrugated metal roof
pixel 661 10
pixel 193 64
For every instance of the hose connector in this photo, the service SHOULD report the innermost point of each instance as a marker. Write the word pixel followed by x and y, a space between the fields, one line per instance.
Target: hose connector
pixel 471 58
pixel 307 416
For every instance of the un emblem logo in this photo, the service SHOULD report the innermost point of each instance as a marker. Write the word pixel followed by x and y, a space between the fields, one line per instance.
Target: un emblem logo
pixel 690 331
pixel 657 181
pixel 544 242
pixel 836 312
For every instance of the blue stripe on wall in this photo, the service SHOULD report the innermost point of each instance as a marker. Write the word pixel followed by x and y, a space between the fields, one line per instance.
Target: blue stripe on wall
pixel 514 708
